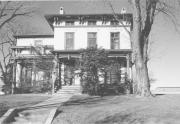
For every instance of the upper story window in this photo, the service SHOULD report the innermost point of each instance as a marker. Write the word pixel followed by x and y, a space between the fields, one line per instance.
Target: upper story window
pixel 114 23
pixel 91 23
pixel 38 47
pixel 92 39
pixel 115 40
pixel 69 23
pixel 69 40
pixel 38 43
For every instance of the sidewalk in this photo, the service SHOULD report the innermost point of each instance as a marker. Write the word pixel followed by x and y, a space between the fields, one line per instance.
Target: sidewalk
pixel 41 113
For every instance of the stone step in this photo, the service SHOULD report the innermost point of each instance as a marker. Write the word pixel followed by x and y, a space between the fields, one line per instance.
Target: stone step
pixel 68 91
pixel 66 94
pixel 69 87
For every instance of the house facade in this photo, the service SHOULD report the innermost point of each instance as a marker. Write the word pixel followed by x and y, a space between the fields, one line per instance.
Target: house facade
pixel 35 54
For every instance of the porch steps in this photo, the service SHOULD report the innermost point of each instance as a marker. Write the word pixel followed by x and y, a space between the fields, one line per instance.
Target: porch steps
pixel 69 90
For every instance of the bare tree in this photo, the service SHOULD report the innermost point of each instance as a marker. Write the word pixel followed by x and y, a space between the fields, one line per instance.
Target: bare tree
pixel 144 13
pixel 9 12
pixel 6 54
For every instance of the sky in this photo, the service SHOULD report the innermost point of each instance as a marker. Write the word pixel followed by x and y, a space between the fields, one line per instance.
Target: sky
pixel 165 50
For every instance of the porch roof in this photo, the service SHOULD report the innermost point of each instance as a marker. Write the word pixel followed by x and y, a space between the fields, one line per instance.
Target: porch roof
pixel 34 36
pixel 76 53
pixel 30 47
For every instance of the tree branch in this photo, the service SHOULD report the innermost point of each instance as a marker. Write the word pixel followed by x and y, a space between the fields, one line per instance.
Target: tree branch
pixel 115 16
pixel 15 14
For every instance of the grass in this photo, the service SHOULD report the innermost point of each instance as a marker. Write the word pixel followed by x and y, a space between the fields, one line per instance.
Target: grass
pixel 19 100
pixel 163 109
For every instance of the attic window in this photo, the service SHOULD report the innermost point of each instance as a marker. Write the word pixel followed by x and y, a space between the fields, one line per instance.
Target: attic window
pixel 69 23
pixel 91 22
pixel 114 23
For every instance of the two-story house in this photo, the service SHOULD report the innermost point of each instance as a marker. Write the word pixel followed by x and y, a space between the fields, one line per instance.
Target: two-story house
pixel 73 32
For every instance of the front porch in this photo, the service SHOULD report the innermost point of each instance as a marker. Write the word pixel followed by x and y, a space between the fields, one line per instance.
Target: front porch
pixel 67 71
pixel 61 69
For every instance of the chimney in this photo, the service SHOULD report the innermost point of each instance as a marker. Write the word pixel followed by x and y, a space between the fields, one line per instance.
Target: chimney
pixel 61 11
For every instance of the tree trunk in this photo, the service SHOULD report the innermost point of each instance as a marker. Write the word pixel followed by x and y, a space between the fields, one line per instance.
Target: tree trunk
pixel 142 80
pixel 143 86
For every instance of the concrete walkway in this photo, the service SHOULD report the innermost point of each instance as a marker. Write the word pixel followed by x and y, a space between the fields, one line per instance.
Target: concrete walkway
pixel 41 113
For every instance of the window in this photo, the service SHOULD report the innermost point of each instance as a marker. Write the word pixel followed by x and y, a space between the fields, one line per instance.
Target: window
pixel 92 37
pixel 69 40
pixel 91 23
pixel 38 43
pixel 115 40
pixel 69 23
pixel 114 23
pixel 38 47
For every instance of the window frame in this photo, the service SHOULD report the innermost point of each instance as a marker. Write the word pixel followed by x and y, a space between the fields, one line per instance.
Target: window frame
pixel 112 43
pixel 38 44
pixel 88 39
pixel 65 45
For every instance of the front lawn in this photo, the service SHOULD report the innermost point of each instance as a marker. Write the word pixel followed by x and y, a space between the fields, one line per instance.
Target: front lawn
pixel 163 109
pixel 20 100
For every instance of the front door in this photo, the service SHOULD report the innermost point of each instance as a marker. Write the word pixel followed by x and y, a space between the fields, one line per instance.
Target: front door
pixel 68 75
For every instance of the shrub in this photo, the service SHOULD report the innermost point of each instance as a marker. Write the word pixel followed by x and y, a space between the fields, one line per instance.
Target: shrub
pixel 89 87
pixel 7 89
pixel 115 88
pixel 38 87
pixel 92 64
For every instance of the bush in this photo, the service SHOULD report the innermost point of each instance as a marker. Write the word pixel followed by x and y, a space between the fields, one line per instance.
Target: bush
pixel 38 87
pixel 115 89
pixel 93 62
pixel 7 89
pixel 88 87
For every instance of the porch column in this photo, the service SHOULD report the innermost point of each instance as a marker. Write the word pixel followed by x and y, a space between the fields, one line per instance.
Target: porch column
pixel 77 78
pixel 14 77
pixel 60 83
pixel 23 74
pixel 62 73
pixel 127 66
pixel 55 72
pixel 18 74
pixel 33 73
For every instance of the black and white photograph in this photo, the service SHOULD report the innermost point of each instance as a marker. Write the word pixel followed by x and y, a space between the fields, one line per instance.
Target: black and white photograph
pixel 90 62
